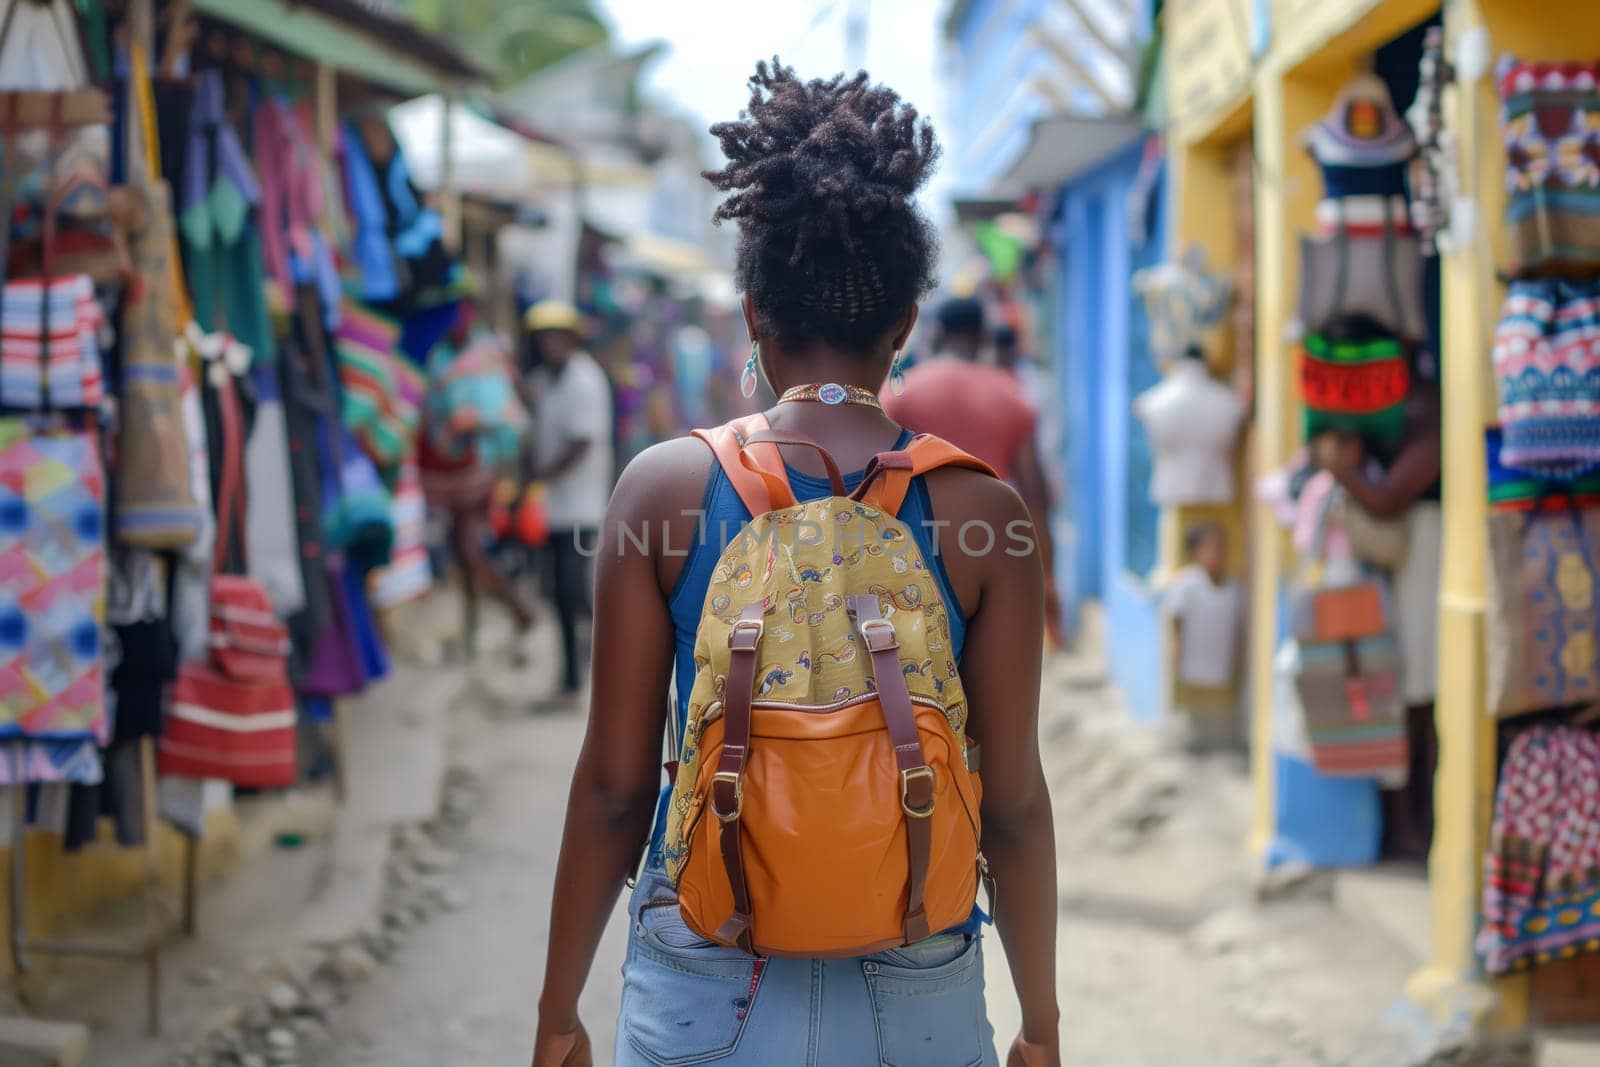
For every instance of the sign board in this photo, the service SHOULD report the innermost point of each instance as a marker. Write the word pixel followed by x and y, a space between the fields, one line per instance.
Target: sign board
pixel 1208 58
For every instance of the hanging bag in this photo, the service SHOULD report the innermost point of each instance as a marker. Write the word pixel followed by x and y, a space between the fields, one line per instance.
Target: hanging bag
pixel 1346 274
pixel 1348 676
pixel 1547 358
pixel 1544 618
pixel 233 717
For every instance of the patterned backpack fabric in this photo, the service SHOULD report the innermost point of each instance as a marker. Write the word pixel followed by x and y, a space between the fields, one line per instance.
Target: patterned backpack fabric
pixel 826 727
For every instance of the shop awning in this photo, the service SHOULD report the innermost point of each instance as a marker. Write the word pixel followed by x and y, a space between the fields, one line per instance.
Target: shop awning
pixel 387 50
pixel 1063 148
pixel 490 159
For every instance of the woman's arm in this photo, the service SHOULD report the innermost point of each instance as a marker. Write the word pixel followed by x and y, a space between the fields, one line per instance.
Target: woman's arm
pixel 1000 667
pixel 618 775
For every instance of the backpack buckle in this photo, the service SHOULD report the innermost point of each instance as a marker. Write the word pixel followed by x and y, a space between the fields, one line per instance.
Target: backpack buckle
pixel 905 788
pixel 737 636
pixel 737 783
pixel 879 635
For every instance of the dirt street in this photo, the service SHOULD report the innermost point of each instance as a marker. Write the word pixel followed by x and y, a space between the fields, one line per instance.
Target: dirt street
pixel 1164 958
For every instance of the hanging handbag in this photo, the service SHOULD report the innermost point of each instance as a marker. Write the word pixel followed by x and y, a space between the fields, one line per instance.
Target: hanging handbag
pixel 155 504
pixel 1348 675
pixel 57 142
pixel 1544 618
pixel 1548 364
pixel 1380 276
pixel 233 717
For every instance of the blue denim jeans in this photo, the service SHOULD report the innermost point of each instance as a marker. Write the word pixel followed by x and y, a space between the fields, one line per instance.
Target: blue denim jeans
pixel 688 1001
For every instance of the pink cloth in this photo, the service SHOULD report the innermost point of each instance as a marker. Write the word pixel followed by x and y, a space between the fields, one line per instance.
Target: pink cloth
pixel 979 409
pixel 1308 511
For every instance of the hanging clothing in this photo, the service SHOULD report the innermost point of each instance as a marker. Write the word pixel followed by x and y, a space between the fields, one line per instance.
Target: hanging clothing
pixel 222 245
pixel 1549 113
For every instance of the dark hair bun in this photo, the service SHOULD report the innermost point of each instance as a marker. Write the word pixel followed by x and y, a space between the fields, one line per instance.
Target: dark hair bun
pixel 823 176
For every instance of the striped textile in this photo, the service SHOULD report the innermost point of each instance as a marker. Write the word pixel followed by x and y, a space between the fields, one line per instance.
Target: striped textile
pixel 62 370
pixel 1550 126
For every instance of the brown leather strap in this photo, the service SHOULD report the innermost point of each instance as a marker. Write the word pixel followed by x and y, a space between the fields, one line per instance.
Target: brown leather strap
pixel 916 777
pixel 888 476
pixel 790 437
pixel 727 785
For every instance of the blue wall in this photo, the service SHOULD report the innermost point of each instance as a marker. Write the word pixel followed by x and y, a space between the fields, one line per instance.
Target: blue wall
pixel 1104 362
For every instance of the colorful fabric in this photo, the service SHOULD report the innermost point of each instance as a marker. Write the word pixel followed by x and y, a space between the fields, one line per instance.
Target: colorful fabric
pixel 383 420
pixel 52 585
pixel 1514 490
pixel 49 344
pixel 1356 386
pixel 26 762
pixel 1362 144
pixel 1550 125
pixel 409 574
pixel 1543 643
pixel 1541 894
pixel 1547 357
pixel 472 404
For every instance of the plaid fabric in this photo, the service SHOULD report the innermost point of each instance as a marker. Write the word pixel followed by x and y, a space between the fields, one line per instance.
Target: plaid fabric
pixel 63 369
pixel 1541 893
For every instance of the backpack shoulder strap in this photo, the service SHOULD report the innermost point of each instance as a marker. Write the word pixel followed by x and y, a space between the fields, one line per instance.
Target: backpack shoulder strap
pixel 888 476
pixel 754 469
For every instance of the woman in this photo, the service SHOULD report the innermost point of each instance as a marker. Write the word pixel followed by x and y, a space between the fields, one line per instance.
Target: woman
pixel 833 255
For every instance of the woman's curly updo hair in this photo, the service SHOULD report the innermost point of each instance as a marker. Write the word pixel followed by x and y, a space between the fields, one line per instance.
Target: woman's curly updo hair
pixel 823 174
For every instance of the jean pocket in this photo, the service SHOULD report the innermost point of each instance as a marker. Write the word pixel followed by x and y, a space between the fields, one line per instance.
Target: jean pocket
pixel 684 1000
pixel 928 999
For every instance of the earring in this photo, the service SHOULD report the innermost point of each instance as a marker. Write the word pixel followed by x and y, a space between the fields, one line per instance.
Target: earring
pixel 897 377
pixel 747 380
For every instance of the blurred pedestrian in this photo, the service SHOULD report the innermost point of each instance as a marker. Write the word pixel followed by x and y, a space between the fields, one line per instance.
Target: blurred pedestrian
pixel 573 461
pixel 467 409
pixel 960 395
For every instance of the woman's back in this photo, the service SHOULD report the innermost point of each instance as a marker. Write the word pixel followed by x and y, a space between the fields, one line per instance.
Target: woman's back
pixel 834 253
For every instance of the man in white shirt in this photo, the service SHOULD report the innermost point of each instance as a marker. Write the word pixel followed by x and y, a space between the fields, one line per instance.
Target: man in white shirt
pixel 573 459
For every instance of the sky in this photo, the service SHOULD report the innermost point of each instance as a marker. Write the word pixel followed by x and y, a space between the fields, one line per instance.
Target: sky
pixel 715 45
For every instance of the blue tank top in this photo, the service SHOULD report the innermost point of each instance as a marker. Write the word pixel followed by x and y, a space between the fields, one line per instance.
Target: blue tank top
pixel 725 516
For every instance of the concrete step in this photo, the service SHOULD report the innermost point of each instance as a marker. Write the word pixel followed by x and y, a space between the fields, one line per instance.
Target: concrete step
pixel 41 1043
pixel 1392 897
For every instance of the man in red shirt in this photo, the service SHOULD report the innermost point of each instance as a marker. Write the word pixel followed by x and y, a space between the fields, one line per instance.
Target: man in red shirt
pixel 980 408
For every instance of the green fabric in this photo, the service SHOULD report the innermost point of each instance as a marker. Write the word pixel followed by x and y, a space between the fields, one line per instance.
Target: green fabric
pixel 1382 427
pixel 1003 251
pixel 1374 351
pixel 229 286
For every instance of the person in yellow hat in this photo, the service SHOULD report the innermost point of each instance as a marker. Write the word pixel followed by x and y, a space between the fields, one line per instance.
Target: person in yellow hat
pixel 573 460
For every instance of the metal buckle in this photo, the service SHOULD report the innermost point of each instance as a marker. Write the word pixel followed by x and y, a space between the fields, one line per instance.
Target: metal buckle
pixel 882 626
pixel 905 782
pixel 746 626
pixel 738 795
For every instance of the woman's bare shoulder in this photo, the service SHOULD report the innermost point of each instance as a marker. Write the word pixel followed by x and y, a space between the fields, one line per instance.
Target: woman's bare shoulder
pixel 663 481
